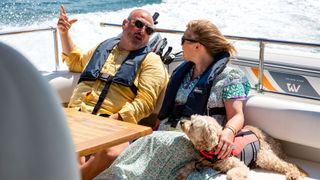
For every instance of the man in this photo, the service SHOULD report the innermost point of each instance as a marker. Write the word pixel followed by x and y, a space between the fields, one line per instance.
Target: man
pixel 120 78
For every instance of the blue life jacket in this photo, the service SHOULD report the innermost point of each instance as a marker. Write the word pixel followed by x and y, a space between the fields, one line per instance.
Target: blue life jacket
pixel 198 98
pixel 126 73
pixel 124 76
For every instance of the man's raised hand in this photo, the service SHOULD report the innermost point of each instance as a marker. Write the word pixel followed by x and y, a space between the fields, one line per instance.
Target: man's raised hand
pixel 64 24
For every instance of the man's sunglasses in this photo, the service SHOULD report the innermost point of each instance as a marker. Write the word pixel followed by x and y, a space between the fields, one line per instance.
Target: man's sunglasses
pixel 183 39
pixel 139 24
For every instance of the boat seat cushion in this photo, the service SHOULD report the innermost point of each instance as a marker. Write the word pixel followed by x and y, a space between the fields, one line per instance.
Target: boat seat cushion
pixel 285 119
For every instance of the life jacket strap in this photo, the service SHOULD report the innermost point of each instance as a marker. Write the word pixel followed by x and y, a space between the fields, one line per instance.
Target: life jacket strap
pixel 103 93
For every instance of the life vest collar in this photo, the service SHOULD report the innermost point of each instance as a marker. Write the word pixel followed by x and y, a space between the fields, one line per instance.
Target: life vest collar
pixel 198 98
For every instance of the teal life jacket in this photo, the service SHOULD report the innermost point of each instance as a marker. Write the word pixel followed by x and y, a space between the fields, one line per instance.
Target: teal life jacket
pixel 198 98
pixel 124 76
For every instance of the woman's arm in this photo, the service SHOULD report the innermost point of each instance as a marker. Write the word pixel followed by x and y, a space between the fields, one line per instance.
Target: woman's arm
pixel 235 122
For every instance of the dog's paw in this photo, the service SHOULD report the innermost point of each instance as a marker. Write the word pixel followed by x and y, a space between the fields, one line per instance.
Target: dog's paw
pixel 237 178
pixel 184 172
pixel 294 175
pixel 238 174
pixel 182 175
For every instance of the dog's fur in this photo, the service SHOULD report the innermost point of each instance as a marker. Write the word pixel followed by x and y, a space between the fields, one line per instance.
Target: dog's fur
pixel 203 132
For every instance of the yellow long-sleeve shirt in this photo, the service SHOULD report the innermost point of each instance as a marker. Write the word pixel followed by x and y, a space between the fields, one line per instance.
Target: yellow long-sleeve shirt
pixel 151 78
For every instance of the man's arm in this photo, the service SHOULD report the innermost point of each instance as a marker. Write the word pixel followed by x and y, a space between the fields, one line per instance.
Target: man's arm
pixel 64 24
pixel 71 55
pixel 152 79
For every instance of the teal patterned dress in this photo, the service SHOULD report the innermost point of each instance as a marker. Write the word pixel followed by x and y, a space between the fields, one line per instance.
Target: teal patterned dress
pixel 161 154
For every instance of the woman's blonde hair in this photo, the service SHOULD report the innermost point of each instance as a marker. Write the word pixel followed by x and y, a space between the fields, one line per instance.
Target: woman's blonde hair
pixel 209 35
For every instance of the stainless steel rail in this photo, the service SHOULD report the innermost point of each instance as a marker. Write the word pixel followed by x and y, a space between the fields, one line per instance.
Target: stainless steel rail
pixel 55 40
pixel 261 66
pixel 280 66
pixel 241 38
pixel 261 41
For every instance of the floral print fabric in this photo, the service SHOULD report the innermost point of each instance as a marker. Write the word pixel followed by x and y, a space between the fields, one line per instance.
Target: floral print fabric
pixel 157 156
pixel 161 154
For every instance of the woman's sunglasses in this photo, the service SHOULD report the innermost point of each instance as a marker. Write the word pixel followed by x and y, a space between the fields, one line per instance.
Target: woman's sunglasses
pixel 183 39
pixel 139 24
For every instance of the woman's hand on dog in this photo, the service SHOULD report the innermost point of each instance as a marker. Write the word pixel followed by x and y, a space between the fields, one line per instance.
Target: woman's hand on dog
pixel 225 145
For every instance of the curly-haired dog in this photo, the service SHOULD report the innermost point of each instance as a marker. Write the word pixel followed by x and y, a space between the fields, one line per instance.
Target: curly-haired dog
pixel 203 131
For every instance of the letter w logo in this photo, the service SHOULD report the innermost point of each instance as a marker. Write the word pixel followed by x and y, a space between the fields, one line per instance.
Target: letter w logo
pixel 293 87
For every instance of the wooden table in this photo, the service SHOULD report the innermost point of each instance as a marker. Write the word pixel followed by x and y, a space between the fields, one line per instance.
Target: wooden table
pixel 92 133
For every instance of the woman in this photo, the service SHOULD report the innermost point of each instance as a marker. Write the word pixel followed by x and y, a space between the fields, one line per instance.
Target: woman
pixel 201 85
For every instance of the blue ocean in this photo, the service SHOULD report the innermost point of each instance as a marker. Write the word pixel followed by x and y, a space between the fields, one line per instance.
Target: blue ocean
pixel 290 20
pixel 26 12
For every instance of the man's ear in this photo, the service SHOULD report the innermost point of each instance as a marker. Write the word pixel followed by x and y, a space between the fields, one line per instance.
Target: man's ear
pixel 125 22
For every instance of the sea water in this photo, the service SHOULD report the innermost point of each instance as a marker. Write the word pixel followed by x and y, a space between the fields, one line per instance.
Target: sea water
pixel 290 20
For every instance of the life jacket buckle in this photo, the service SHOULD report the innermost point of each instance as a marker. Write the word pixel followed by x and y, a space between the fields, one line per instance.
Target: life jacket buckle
pixel 105 77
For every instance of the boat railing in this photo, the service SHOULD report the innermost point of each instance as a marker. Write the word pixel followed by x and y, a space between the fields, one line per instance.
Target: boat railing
pixel 55 40
pixel 262 44
pixel 261 60
pixel 262 65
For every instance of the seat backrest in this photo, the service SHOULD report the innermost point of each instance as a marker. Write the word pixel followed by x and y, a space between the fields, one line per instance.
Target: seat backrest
pixel 284 118
pixel 34 137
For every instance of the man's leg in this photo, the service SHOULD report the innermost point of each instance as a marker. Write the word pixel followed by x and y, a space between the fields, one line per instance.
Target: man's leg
pixel 100 161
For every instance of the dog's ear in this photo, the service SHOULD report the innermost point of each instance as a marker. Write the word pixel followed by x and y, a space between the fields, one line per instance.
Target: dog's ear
pixel 212 135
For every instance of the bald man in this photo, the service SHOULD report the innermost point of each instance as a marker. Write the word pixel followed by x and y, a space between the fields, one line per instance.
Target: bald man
pixel 121 78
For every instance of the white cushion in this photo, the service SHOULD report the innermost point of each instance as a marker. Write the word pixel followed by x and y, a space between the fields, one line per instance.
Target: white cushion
pixel 285 119
pixel 63 82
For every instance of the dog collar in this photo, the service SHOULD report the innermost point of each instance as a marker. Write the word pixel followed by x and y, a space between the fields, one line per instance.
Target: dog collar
pixel 210 156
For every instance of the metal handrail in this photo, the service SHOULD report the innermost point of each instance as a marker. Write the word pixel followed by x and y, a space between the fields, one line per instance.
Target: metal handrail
pixel 274 41
pixel 55 40
pixel 302 70
pixel 27 31
pixel 243 38
pixel 262 43
pixel 261 66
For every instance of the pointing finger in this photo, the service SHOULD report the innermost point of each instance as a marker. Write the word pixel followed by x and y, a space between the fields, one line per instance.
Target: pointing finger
pixel 62 10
